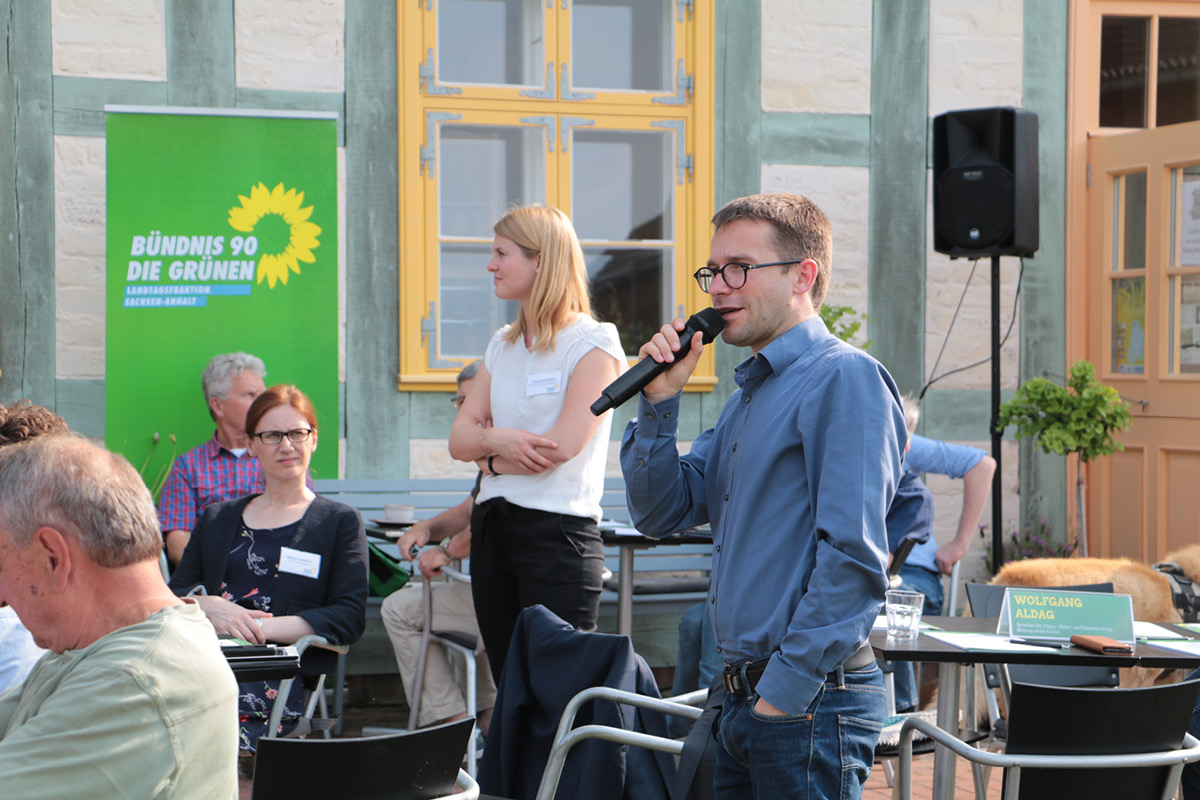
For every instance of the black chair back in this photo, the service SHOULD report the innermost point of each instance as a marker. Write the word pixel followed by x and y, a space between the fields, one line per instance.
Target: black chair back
pixel 417 765
pixel 985 601
pixel 1049 720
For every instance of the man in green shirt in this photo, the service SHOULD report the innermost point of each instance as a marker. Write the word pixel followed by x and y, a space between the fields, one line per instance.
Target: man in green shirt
pixel 135 699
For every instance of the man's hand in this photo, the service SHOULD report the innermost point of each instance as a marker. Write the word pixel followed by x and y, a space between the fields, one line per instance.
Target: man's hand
pixel 415 537
pixel 949 554
pixel 432 561
pixel 767 710
pixel 662 349
pixel 229 618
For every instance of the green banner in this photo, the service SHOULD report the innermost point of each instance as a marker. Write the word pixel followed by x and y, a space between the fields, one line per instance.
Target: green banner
pixel 221 236
pixel 1059 615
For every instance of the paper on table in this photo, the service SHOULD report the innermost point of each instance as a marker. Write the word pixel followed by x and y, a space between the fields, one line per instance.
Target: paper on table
pixel 985 641
pixel 1189 646
pixel 625 530
pixel 1148 630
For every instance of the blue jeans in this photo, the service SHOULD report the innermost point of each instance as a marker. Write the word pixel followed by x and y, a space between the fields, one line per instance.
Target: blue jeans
pixel 825 753
pixel 916 579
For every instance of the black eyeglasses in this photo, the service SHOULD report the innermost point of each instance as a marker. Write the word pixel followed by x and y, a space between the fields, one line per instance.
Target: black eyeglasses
pixel 733 273
pixel 457 400
pixel 275 437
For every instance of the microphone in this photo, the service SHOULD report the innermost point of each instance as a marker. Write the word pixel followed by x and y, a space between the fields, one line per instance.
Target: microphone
pixel 709 322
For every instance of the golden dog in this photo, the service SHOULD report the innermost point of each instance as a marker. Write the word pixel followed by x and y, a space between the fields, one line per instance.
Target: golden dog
pixel 1149 588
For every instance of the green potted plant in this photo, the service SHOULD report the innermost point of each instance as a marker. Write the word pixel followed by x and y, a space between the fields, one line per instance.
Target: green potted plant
pixel 1079 418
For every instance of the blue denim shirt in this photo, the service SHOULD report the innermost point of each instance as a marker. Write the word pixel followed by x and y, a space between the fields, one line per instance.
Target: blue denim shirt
pixel 942 458
pixel 796 480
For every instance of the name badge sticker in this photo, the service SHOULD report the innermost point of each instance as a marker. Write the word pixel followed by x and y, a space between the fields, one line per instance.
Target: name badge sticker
pixel 299 562
pixel 544 383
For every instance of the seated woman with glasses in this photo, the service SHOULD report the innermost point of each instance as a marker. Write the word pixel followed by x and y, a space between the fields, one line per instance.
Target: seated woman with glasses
pixel 279 565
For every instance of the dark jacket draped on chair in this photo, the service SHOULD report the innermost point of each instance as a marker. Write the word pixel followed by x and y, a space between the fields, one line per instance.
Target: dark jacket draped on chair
pixel 549 662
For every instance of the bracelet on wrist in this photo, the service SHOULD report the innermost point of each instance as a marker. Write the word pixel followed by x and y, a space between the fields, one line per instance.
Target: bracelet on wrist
pixel 491 466
pixel 444 546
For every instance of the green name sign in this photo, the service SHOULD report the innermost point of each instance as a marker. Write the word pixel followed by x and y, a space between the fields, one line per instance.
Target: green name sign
pixel 1058 615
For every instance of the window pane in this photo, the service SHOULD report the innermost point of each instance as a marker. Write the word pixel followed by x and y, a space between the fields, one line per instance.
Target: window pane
pixel 622 45
pixel 491 42
pixel 1124 42
pixel 627 290
pixel 1185 216
pixel 482 170
pixel 1178 98
pixel 1184 354
pixel 1129 325
pixel 622 185
pixel 1129 221
pixel 469 311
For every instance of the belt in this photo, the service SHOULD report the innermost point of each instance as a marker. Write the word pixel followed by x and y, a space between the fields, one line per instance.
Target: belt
pixel 742 678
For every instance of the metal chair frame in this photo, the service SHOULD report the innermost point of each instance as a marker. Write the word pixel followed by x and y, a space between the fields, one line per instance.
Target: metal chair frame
pixel 1015 763
pixel 470 656
pixel 316 698
pixel 687 706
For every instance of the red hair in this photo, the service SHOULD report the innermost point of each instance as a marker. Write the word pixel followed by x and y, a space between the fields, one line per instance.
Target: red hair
pixel 280 394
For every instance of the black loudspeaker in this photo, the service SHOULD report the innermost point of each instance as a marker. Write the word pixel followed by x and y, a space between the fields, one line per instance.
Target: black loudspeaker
pixel 985 182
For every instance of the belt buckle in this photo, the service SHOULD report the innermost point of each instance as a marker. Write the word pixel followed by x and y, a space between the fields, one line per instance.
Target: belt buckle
pixel 735 681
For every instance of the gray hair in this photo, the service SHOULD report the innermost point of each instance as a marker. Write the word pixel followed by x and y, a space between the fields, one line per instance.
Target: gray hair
pixel 223 370
pixel 65 482
pixel 468 372
pixel 912 413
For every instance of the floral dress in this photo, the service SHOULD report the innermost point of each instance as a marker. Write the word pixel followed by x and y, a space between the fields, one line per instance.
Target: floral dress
pixel 250 583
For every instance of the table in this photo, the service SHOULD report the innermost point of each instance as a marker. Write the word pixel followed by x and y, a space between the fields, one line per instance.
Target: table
pixel 950 659
pixel 628 545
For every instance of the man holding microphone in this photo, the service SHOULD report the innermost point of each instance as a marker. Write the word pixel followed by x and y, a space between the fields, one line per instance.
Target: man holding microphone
pixel 796 480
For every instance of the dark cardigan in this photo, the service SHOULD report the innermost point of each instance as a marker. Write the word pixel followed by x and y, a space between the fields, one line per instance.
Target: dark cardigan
pixel 334 603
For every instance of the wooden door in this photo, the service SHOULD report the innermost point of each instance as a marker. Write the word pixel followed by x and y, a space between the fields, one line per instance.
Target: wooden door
pixel 1144 336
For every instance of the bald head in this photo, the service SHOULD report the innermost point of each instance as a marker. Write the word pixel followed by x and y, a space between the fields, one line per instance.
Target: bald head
pixel 81 490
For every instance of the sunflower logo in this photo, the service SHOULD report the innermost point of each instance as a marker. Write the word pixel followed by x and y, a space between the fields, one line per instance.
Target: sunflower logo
pixel 285 235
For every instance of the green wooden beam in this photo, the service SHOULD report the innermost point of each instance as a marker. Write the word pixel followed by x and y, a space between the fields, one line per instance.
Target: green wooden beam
pixel 1044 480
pixel 201 70
pixel 26 205
pixel 825 140
pixel 899 122
pixel 377 416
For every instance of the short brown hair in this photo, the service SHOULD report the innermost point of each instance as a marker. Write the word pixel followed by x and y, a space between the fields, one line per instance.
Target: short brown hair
pixel 801 230
pixel 281 394
pixel 24 420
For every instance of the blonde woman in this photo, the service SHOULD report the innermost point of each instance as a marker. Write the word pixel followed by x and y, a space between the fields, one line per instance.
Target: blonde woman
pixel 534 538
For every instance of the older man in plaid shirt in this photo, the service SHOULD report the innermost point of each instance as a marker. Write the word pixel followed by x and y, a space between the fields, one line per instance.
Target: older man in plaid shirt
pixel 220 469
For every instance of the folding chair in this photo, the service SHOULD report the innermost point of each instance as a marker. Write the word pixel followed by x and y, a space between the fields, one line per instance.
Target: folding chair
pixel 315 694
pixel 1070 742
pixel 416 765
pixel 469 647
pixel 985 600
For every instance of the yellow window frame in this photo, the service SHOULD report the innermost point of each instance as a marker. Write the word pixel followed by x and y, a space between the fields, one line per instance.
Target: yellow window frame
pixel 686 114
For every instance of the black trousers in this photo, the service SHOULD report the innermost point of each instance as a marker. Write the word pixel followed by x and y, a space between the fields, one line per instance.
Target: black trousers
pixel 522 557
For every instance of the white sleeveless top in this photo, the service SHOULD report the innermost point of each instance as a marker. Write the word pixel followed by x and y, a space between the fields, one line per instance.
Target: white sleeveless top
pixel 528 390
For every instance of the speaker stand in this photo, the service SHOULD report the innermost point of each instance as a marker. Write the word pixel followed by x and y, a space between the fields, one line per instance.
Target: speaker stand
pixel 997 434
